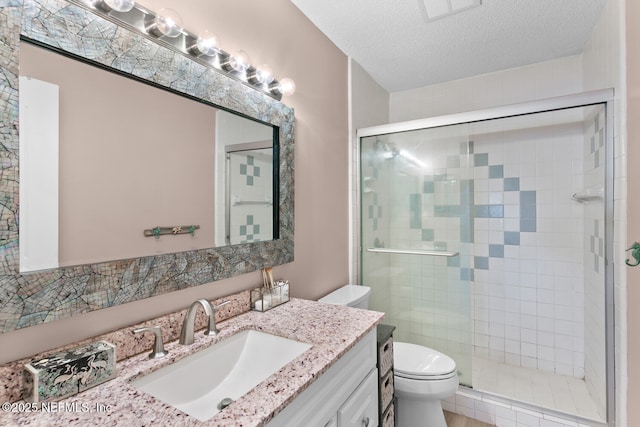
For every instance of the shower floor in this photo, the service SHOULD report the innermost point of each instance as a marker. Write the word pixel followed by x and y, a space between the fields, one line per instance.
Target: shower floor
pixel 545 389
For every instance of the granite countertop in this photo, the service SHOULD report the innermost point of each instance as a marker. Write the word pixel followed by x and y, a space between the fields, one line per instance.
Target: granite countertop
pixel 332 330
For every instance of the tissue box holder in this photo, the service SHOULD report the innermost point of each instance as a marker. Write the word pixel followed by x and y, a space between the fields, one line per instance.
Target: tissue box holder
pixel 69 372
pixel 263 299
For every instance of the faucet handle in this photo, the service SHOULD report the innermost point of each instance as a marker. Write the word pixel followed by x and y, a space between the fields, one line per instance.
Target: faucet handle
pixel 212 329
pixel 158 345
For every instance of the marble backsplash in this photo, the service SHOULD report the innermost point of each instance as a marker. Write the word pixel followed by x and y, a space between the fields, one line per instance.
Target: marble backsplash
pixel 127 343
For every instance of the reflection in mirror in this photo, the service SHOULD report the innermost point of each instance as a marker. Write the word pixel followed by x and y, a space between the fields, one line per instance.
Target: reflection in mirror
pixel 249 203
pixel 249 176
pixel 131 157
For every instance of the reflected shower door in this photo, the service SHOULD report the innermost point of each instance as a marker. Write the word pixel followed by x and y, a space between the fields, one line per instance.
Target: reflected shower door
pixel 249 204
pixel 417 236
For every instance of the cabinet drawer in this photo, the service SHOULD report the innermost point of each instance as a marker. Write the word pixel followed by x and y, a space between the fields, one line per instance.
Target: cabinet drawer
pixel 385 356
pixel 386 389
pixel 361 409
pixel 388 419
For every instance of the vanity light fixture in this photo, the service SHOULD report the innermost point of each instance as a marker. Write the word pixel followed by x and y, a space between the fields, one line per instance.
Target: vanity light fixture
pixel 167 23
pixel 165 27
pixel 205 44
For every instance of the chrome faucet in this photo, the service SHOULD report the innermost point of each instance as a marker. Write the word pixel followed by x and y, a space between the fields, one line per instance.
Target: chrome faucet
pixel 188 325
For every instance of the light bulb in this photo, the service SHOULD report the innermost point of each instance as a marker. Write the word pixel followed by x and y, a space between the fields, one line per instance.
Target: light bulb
pixel 264 74
pixel 117 5
pixel 287 87
pixel 166 23
pixel 207 43
pixel 239 61
pixel 260 75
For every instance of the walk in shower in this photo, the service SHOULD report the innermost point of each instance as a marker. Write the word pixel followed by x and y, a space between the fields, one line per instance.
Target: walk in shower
pixel 486 236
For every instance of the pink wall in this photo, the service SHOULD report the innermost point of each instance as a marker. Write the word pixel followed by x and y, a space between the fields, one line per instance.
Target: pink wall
pixel 633 208
pixel 277 33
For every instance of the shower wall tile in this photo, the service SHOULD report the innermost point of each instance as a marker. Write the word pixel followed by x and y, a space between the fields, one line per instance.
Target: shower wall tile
pixel 529 241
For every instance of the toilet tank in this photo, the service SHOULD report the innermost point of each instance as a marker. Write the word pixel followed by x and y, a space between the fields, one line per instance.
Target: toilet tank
pixel 350 295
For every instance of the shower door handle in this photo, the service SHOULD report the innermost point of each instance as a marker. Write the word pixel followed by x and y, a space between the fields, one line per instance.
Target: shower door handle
pixel 413 252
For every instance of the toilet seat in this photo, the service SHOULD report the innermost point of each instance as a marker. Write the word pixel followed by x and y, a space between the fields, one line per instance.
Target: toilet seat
pixel 417 362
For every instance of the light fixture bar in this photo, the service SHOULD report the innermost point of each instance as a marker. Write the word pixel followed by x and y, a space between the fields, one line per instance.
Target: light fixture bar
pixel 153 26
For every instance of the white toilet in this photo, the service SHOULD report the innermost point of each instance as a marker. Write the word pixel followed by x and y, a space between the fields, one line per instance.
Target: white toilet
pixel 422 376
pixel 351 295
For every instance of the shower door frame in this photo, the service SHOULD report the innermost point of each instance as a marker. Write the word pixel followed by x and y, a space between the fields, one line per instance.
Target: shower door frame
pixel 598 97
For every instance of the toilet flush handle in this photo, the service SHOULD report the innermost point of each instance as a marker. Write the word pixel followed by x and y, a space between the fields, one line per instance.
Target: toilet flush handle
pixel 365 422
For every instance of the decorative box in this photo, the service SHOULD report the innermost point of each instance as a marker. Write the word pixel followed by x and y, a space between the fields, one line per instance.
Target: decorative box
pixel 69 372
pixel 263 299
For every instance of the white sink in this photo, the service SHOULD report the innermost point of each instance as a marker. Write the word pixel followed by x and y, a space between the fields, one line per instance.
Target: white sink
pixel 198 383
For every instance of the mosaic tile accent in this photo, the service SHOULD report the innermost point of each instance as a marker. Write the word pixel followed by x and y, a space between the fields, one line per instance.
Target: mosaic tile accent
pixel 481 159
pixel 468 211
pixel 31 299
pixel 375 211
pixel 249 231
pixel 250 170
pixel 511 184
pixel 597 141
pixel 415 211
pixel 596 246
pixel 446 195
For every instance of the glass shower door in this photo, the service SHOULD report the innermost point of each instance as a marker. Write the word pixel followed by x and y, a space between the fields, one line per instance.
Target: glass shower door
pixel 417 236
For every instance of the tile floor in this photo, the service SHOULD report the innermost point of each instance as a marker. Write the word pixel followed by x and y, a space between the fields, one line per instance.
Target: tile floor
pixel 558 392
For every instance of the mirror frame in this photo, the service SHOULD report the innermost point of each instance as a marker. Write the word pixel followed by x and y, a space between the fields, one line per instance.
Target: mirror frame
pixel 34 298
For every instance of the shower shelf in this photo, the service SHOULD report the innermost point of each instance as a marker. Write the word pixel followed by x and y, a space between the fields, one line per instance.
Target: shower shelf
pixel 412 252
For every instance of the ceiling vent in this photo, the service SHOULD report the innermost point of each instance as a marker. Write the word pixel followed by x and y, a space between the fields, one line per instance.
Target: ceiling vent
pixel 438 9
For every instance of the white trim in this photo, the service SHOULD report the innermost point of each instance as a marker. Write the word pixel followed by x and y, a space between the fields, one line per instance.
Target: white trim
pixel 351 139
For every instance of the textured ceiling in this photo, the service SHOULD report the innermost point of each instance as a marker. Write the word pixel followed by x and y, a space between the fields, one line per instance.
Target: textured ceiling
pixel 401 50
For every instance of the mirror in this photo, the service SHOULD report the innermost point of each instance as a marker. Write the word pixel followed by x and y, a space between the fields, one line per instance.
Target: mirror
pixel 32 298
pixel 132 157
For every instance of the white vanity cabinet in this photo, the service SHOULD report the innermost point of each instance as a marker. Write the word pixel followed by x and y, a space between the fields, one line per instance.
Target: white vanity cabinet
pixel 346 395
pixel 358 409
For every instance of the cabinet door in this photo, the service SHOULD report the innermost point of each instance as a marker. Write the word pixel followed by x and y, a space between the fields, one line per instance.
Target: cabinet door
pixel 361 408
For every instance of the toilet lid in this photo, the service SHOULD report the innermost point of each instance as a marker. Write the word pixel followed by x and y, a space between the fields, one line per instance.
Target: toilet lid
pixel 416 361
pixel 347 295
